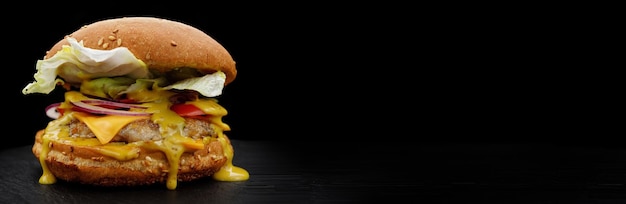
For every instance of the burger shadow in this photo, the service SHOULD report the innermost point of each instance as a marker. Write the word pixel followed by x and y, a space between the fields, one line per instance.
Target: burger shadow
pixel 205 190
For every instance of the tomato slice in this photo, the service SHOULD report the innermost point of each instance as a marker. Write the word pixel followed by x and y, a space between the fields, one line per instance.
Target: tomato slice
pixel 183 109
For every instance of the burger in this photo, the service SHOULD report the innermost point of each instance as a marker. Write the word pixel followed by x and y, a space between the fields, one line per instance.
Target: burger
pixel 140 105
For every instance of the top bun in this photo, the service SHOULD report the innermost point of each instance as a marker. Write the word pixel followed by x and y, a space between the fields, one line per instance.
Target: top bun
pixel 162 44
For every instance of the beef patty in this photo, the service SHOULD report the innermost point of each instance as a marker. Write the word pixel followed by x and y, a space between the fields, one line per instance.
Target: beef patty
pixel 145 130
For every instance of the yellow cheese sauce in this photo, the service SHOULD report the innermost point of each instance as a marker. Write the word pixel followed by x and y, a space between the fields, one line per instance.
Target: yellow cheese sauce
pixel 47 177
pixel 229 172
pixel 173 144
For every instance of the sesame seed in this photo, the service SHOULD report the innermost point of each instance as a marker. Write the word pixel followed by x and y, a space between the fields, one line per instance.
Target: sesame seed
pixel 105 45
pixel 173 43
pixel 119 42
pixel 100 41
pixel 111 37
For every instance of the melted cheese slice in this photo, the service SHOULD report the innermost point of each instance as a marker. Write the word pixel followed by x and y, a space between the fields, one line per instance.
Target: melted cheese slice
pixel 106 127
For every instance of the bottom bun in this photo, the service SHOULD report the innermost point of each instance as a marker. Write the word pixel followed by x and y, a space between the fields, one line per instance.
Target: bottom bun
pixel 74 163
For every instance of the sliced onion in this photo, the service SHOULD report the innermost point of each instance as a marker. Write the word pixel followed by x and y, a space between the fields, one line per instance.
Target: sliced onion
pixel 82 106
pixel 52 110
pixel 99 102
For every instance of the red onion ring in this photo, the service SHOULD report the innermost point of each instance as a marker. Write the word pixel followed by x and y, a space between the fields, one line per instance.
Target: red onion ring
pixel 111 103
pixel 82 106
pixel 52 110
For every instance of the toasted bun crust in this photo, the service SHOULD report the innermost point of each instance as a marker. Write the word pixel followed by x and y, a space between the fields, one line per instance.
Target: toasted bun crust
pixel 160 43
pixel 83 165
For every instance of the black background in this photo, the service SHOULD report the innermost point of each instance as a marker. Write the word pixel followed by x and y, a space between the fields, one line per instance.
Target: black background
pixel 317 70
pixel 503 89
pixel 361 72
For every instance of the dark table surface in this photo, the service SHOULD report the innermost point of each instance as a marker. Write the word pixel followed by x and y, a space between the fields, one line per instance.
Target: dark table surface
pixel 366 172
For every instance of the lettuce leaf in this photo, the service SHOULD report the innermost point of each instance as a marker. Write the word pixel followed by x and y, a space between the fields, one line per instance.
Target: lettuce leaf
pixel 76 63
pixel 209 85
pixel 96 72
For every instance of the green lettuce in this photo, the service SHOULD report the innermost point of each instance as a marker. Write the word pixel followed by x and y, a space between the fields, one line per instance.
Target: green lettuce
pixel 110 73
pixel 209 85
pixel 75 63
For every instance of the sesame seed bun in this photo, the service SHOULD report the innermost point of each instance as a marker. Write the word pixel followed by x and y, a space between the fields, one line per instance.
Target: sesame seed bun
pixel 160 43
